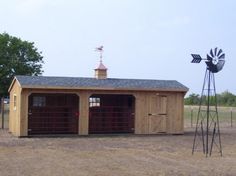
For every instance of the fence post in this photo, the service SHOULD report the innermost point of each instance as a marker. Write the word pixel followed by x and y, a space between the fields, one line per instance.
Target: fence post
pixel 2 111
pixel 231 112
pixel 191 116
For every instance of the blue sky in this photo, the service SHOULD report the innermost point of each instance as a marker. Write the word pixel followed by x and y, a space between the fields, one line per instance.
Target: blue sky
pixel 147 39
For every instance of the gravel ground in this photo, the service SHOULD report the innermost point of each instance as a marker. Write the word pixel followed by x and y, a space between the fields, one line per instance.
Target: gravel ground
pixel 119 155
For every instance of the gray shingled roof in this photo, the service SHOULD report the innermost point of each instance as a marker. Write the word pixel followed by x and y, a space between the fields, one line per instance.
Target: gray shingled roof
pixel 79 82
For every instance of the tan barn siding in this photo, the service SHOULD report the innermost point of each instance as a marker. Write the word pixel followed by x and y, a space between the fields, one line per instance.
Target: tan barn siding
pixel 143 100
pixel 171 112
pixel 11 113
pixel 169 117
pixel 141 112
pixel 84 113
pixel 179 127
pixel 14 114
pixel 24 113
pixel 172 105
pixel 175 113
pixel 174 117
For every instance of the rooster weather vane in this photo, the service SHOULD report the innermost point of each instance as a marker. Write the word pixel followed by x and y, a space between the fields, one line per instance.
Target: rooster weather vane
pixel 100 50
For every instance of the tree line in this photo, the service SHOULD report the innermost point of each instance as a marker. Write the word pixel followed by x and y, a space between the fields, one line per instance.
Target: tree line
pixel 225 98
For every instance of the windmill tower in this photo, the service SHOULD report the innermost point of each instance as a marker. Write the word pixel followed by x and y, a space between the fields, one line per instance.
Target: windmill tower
pixel 207 132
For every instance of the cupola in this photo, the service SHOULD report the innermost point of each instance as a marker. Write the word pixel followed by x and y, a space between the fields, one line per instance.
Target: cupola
pixel 101 71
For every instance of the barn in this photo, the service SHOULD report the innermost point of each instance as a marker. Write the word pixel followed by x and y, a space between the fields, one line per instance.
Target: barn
pixel 43 105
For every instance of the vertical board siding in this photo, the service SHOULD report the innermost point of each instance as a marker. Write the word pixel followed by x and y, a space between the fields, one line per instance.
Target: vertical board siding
pixel 14 114
pixel 24 114
pixel 169 104
pixel 84 113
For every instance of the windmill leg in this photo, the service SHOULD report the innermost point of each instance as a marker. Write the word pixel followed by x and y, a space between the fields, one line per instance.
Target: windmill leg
pixel 213 137
pixel 203 139
pixel 195 135
pixel 217 117
pixel 219 136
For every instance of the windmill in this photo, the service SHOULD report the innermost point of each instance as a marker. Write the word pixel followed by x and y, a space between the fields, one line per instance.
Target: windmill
pixel 207 127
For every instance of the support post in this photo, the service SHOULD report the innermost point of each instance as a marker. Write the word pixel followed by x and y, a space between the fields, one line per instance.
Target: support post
pixel 191 116
pixel 2 111
pixel 231 117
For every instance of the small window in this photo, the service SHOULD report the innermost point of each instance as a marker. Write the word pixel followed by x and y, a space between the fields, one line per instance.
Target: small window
pixel 14 102
pixel 94 102
pixel 39 101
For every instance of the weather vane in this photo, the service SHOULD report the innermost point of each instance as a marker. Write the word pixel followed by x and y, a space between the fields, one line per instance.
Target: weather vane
pixel 100 50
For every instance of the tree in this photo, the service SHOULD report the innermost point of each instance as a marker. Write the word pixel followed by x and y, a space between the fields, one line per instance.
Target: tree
pixel 192 99
pixel 227 99
pixel 17 57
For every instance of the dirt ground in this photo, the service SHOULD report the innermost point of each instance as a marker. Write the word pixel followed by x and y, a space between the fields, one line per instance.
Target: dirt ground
pixel 121 155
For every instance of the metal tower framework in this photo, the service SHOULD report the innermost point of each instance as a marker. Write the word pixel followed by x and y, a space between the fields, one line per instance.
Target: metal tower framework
pixel 207 131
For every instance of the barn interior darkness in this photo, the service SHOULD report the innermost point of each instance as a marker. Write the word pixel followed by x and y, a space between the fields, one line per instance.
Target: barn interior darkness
pixel 53 114
pixel 110 113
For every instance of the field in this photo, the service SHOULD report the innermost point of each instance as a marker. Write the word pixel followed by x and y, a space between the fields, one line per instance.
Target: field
pixel 124 155
pixel 227 116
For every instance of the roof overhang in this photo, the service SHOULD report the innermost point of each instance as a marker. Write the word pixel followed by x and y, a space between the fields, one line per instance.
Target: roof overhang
pixel 104 88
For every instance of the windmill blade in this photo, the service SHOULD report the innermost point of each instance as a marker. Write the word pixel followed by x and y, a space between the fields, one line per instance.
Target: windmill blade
pixel 209 58
pixel 220 65
pixel 221 62
pixel 222 56
pixel 211 53
pixel 215 51
pixel 220 51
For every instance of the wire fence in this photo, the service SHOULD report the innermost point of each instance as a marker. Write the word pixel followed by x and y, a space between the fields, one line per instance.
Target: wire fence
pixel 227 116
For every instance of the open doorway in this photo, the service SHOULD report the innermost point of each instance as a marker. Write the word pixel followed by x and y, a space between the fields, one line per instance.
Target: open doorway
pixel 111 113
